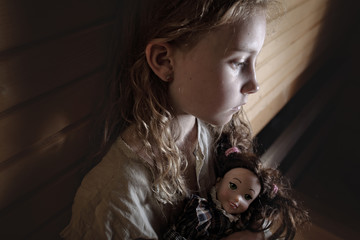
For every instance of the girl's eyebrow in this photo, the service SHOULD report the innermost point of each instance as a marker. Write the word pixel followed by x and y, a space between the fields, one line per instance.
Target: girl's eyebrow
pixel 242 49
pixel 252 190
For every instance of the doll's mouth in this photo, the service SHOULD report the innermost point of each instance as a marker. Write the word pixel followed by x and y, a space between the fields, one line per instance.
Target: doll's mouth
pixel 233 205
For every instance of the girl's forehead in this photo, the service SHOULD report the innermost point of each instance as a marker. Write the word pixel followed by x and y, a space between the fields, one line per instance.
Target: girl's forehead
pixel 247 35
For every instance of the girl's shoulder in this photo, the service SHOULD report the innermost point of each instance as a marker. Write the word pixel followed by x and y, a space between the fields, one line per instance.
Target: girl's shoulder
pixel 119 168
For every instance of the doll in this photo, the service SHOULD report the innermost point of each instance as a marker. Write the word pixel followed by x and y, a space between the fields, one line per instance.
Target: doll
pixel 246 196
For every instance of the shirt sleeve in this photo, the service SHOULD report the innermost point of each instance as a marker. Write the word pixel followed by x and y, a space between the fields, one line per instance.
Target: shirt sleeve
pixel 115 202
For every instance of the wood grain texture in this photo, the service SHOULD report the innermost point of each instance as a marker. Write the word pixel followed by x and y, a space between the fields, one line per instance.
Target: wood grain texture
pixel 52 62
pixel 48 115
pixel 24 23
pixel 42 161
pixel 40 69
pixel 303 39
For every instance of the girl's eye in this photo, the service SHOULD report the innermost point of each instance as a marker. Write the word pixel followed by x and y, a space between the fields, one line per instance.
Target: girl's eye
pixel 248 197
pixel 239 64
pixel 232 186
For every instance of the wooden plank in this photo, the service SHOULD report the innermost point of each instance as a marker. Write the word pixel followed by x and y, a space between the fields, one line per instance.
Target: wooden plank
pixel 37 70
pixel 43 161
pixel 269 105
pixel 23 22
pixel 305 43
pixel 292 17
pixel 48 115
pixel 287 38
pixel 22 218
pixel 274 71
pixel 328 38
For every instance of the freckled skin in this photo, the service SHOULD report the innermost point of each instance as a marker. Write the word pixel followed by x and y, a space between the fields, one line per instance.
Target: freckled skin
pixel 213 79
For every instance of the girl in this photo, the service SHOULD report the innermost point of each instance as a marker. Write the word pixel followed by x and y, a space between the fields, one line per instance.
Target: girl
pixel 183 70
pixel 246 196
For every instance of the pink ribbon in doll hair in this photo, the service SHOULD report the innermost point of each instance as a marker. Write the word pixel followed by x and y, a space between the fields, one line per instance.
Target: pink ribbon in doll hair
pixel 275 189
pixel 231 150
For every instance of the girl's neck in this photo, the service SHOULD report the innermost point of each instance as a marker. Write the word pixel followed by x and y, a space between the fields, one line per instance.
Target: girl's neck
pixel 187 133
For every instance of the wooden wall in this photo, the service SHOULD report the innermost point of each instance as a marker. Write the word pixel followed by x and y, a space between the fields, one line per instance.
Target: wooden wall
pixel 52 60
pixel 302 40
pixel 52 57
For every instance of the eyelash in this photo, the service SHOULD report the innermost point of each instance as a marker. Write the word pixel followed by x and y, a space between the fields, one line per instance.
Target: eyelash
pixel 232 185
pixel 248 197
pixel 239 64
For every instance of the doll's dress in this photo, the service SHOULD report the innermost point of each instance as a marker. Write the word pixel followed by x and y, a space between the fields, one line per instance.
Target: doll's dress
pixel 204 219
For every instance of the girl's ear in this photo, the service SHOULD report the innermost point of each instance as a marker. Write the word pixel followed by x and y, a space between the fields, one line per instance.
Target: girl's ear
pixel 159 57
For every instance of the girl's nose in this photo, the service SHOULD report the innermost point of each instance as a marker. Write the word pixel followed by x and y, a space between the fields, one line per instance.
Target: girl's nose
pixel 251 86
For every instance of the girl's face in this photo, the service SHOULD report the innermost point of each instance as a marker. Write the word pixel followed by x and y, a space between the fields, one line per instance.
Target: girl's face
pixel 237 190
pixel 212 80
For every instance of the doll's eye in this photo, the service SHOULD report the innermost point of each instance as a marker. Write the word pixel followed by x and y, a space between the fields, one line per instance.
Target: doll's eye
pixel 232 186
pixel 248 197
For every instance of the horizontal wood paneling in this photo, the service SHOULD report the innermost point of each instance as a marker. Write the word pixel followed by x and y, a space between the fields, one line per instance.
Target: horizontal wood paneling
pixel 35 210
pixel 48 115
pixel 24 22
pixel 37 70
pixel 290 28
pixel 298 43
pixel 279 74
pixel 42 161
pixel 52 61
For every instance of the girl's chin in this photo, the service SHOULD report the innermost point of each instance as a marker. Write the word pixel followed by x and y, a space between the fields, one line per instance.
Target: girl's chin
pixel 221 121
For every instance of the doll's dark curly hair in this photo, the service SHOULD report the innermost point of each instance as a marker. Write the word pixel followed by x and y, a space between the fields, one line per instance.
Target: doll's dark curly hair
pixel 275 207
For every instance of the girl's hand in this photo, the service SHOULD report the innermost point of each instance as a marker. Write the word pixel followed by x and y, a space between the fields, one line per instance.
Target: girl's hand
pixel 245 235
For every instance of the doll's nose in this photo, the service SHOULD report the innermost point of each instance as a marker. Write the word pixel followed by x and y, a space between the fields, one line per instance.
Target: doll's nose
pixel 240 203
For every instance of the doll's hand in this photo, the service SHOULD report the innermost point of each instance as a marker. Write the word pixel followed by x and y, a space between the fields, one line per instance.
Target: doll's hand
pixel 245 235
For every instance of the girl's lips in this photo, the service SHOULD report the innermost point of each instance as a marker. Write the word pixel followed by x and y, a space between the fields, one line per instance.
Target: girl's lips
pixel 238 107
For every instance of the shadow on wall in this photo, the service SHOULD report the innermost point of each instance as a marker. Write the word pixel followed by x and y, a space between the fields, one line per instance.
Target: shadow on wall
pixel 324 162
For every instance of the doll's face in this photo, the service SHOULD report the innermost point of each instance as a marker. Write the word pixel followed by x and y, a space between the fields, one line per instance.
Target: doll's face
pixel 237 190
pixel 213 79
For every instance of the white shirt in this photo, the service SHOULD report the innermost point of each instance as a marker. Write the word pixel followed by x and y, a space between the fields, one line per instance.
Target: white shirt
pixel 115 200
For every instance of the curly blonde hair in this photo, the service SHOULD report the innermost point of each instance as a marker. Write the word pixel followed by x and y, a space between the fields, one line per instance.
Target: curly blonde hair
pixel 138 97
